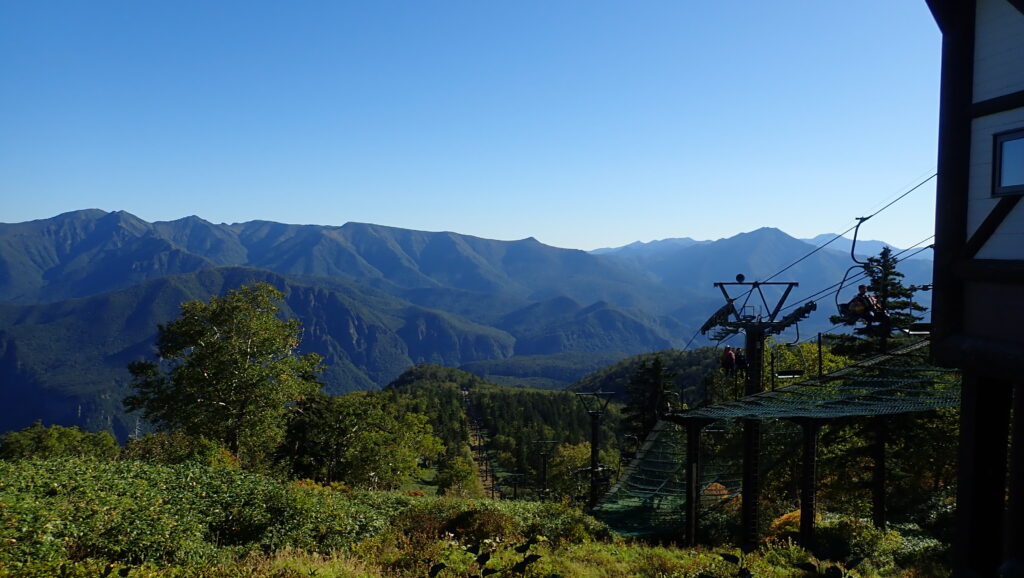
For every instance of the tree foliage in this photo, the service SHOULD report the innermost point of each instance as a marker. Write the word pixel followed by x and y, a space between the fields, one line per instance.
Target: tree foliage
pixel 895 299
pixel 801 358
pixel 649 394
pixel 457 475
pixel 362 439
pixel 515 419
pixel 228 371
pixel 436 392
pixel 569 471
pixel 177 448
pixel 45 442
pixel 687 367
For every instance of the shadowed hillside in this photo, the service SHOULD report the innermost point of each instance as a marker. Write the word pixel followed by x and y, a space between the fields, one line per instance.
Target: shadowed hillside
pixel 82 294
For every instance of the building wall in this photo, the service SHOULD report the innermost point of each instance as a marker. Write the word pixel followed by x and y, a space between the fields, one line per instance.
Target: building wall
pixel 979 286
pixel 1008 240
pixel 998 71
pixel 998 50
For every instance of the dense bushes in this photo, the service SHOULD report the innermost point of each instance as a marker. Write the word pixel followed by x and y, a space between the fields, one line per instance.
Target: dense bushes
pixel 177 448
pixel 39 441
pixel 76 517
pixel 132 512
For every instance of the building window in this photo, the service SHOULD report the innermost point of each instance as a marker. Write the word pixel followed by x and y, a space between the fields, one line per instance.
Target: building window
pixel 1008 168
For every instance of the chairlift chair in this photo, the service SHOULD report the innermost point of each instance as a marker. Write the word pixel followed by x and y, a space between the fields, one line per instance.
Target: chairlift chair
pixel 855 309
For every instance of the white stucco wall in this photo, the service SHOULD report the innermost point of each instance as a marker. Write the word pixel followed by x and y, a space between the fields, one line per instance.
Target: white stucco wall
pixel 1008 240
pixel 998 70
pixel 998 50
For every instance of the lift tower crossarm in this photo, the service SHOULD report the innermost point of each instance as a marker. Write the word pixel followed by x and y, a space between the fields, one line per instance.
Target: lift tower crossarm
pixel 757 285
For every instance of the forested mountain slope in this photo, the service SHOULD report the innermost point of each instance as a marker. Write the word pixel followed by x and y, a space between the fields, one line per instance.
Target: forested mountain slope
pixel 82 294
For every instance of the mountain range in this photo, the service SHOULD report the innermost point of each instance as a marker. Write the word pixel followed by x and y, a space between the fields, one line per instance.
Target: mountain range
pixel 82 294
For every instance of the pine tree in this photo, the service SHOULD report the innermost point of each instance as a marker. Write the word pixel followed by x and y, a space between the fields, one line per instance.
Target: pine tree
pixel 648 392
pixel 895 300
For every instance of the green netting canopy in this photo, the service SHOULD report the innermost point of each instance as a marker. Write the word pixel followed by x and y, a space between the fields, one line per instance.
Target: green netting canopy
pixel 649 498
pixel 888 384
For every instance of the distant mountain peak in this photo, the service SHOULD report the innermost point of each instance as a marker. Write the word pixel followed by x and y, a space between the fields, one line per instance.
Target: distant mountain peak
pixel 763 232
pixel 651 246
pixel 81 214
pixel 866 247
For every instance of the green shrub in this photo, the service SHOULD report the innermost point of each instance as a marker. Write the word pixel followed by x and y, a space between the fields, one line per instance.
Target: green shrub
pixel 882 551
pixel 60 516
pixel 178 448
pixel 43 442
pixel 719 524
pixel 77 509
pixel 783 554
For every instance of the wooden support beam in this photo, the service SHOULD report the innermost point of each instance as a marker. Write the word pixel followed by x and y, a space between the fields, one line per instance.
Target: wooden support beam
pixel 981 489
pixel 808 482
pixel 693 469
pixel 751 507
pixel 1015 506
pixel 879 473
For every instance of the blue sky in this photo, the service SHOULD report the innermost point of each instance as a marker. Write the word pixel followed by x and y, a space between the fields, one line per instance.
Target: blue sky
pixel 584 124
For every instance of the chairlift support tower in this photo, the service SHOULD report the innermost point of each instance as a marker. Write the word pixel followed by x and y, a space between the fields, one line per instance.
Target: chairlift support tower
pixel 596 403
pixel 755 328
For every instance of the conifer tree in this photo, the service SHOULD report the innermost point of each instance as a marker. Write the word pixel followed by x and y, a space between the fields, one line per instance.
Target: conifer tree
pixel 894 299
pixel 648 392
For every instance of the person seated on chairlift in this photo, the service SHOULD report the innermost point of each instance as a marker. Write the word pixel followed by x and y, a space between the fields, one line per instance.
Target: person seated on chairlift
pixel 865 306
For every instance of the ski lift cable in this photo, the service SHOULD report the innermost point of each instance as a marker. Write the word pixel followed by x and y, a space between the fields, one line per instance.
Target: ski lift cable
pixel 917 182
pixel 860 220
pixel 834 327
pixel 834 287
pixel 695 334
pixel 829 290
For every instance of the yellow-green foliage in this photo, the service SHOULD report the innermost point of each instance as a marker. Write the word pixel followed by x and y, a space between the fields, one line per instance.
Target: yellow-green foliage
pixel 178 448
pixel 73 517
pixel 55 441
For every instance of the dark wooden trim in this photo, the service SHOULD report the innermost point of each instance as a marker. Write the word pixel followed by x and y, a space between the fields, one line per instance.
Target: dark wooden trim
pixel 995 358
pixel 956 19
pixel 984 429
pixel 990 271
pixel 989 226
pixel 940 12
pixel 998 104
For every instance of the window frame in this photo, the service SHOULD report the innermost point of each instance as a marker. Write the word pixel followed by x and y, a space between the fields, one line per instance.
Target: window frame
pixel 998 139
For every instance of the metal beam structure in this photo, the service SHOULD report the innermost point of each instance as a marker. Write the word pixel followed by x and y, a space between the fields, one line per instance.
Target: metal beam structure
pixel 731 320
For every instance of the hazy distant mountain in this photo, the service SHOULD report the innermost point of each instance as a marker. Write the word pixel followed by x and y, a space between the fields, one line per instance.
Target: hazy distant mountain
pixel 759 255
pixel 866 248
pixel 650 248
pixel 81 295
